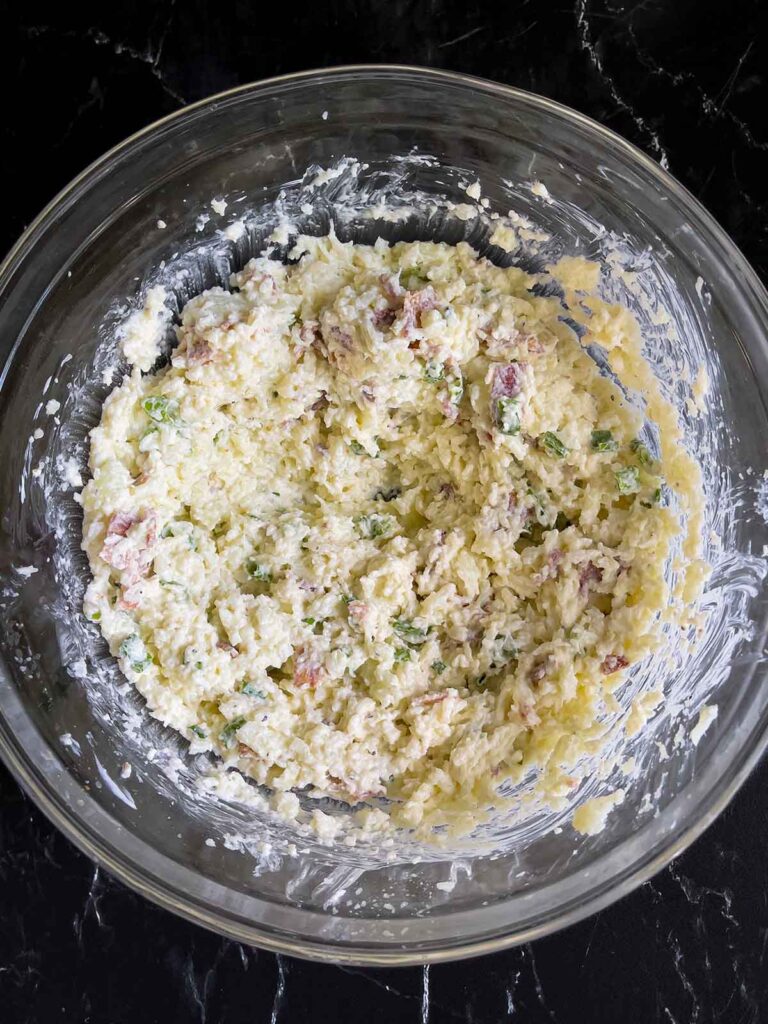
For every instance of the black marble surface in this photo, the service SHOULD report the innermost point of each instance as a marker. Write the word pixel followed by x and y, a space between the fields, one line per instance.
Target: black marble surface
pixel 687 81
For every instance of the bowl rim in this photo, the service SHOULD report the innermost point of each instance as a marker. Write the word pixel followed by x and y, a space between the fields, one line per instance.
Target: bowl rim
pixel 162 892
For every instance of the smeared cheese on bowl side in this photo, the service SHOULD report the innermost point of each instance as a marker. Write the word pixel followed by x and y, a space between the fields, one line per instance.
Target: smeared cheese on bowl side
pixel 382 529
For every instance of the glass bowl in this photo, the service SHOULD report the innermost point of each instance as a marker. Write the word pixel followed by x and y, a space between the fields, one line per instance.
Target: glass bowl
pixel 77 737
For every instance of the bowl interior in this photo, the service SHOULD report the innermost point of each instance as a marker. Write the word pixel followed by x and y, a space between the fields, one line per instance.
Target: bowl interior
pixel 411 141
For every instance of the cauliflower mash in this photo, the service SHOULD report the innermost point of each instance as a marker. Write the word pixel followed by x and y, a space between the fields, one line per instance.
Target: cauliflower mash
pixel 381 528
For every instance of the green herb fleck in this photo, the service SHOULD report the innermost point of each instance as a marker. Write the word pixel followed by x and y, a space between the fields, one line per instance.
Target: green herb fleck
pixel 309 620
pixel 439 667
pixel 434 371
pixel 227 734
pixel 642 454
pixel 218 436
pixel 412 635
pixel 161 409
pixel 198 731
pixel 135 653
pixel 96 616
pixel 655 498
pixel 628 480
pixel 198 665
pixel 357 448
pixel 508 415
pixel 257 571
pixel 603 441
pixel 347 598
pixel 372 526
pixel 250 690
pixel 402 654
pixel 552 444
pixel 412 277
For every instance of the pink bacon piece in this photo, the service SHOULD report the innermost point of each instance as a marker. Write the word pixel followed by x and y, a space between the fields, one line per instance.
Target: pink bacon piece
pixel 359 611
pixel 383 317
pixel 427 700
pixel 414 304
pixel 307 670
pixel 508 380
pixel 119 550
pixel 613 663
pixel 199 353
pixel 589 574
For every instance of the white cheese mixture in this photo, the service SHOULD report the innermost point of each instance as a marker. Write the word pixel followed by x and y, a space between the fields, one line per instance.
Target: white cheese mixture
pixel 381 528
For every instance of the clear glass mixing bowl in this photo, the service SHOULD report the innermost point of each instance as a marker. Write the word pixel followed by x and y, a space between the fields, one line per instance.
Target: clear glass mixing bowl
pixel 68 728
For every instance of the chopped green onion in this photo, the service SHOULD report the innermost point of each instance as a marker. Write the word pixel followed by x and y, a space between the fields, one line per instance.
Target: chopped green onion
pixel 257 571
pixel 628 480
pixel 96 616
pixel 198 665
pixel 642 453
pixel 347 598
pixel 372 526
pixel 413 276
pixel 228 732
pixel 655 498
pixel 439 667
pixel 198 731
pixel 402 654
pixel 455 382
pixel 508 415
pixel 161 409
pixel 553 445
pixel 135 653
pixel 603 441
pixel 357 448
pixel 309 620
pixel 249 689
pixel 412 635
pixel 434 371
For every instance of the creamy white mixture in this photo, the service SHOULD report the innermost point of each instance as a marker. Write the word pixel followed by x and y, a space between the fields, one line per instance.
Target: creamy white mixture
pixel 381 528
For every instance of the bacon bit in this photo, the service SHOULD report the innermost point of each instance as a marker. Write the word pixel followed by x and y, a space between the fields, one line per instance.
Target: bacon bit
pixel 306 671
pixel 527 715
pixel 538 672
pixel 309 332
pixel 588 573
pixel 554 558
pixel 384 317
pixel 199 353
pixel 613 663
pixel 118 551
pixel 508 380
pixel 358 610
pixel 414 304
pixel 228 648
pixel 534 345
pixel 367 392
pixel 344 338
pixel 120 523
pixel 129 598
pixel 428 699
pixel 390 284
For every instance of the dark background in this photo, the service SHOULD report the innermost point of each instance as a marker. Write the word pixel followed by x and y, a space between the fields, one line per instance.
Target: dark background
pixel 683 79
